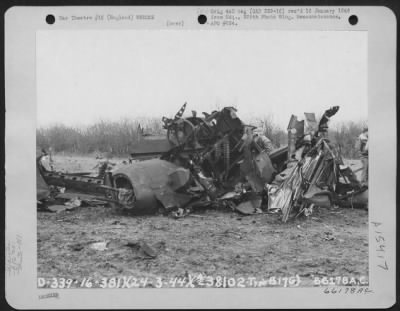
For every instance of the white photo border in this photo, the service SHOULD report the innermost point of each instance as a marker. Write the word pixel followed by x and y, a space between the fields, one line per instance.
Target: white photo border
pixel 21 26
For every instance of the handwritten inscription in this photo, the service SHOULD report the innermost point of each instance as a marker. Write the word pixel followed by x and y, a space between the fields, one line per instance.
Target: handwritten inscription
pixel 14 256
pixel 348 290
pixel 49 295
pixel 380 244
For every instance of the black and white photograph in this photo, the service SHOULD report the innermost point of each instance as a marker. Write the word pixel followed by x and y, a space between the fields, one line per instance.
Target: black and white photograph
pixel 181 157
pixel 230 159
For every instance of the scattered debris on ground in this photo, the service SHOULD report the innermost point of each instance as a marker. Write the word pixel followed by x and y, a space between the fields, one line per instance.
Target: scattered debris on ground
pixel 218 243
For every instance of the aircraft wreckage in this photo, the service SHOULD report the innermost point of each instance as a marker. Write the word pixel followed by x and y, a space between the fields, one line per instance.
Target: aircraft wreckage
pixel 213 161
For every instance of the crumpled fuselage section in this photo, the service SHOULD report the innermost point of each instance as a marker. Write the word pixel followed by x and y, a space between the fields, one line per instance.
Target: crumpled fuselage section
pixel 213 161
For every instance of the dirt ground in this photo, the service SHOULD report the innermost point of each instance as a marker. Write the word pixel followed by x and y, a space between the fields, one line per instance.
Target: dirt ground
pixel 330 243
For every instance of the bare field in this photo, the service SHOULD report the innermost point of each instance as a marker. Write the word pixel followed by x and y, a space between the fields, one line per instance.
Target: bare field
pixel 330 243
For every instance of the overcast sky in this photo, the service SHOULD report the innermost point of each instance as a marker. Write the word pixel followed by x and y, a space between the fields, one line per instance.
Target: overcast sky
pixel 85 76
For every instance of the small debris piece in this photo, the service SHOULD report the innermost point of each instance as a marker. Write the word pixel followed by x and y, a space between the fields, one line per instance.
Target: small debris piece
pixel 145 250
pixel 232 234
pixel 322 199
pixel 229 195
pixel 195 189
pixel 173 200
pixel 308 210
pixel 329 236
pixel 160 246
pixel 245 208
pixel 58 208
pixel 77 247
pixel 73 203
pixel 194 215
pixel 133 244
pixel 116 244
pixel 249 207
pixel 179 213
pixel 99 246
pixel 94 202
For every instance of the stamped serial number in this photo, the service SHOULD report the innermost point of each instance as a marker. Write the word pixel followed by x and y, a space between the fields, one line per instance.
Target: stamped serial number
pixel 120 282
pixel 340 281
pixel 190 281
